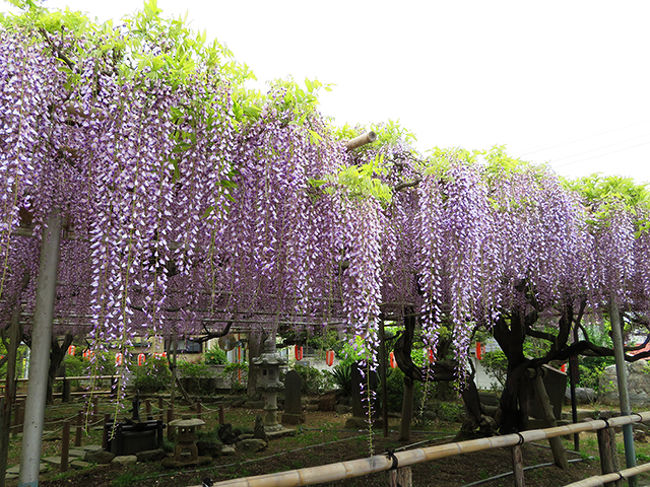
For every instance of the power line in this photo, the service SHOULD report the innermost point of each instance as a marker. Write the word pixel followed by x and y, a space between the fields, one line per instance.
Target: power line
pixel 579 139
pixel 597 156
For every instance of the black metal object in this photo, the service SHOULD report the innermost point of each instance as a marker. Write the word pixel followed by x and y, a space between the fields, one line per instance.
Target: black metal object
pixel 135 409
pixel 129 437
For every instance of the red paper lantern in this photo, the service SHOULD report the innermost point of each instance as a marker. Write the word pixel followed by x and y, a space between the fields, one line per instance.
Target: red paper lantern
pixel 141 359
pixel 298 353
pixel 329 357
pixel 71 349
pixel 563 368
pixel 479 350
pixel 119 358
pixel 88 354
pixel 393 362
pixel 431 357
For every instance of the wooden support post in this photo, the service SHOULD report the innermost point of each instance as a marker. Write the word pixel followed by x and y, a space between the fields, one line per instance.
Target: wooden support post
pixel 402 477
pixel 161 408
pixel 222 415
pixel 18 418
pixel 199 410
pixel 170 418
pixel 65 390
pixel 607 453
pixel 518 466
pixel 407 409
pixel 65 446
pixel 147 408
pixel 559 455
pixel 80 423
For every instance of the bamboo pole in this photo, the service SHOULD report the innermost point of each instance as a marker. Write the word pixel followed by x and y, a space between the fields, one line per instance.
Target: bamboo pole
pixel 364 139
pixel 379 463
pixel 599 480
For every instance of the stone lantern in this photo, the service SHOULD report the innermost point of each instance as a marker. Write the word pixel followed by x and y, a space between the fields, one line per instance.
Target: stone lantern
pixel 269 383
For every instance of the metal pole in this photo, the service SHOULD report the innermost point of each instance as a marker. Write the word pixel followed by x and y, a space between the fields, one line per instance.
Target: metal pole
pixel 40 352
pixel 621 377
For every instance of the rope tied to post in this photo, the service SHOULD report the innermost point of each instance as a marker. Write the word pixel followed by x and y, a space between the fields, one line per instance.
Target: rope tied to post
pixel 522 440
pixel 390 453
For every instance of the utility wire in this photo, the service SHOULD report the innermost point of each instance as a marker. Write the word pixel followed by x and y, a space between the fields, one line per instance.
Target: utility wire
pixel 579 139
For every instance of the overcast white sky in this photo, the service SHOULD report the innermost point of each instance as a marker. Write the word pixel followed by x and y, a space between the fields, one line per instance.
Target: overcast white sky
pixel 567 82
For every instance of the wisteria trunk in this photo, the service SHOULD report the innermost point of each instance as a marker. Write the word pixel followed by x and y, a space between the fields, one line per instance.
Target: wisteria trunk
pixel 57 354
pixel 255 342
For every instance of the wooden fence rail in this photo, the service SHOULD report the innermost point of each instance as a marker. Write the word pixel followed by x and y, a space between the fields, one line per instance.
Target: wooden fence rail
pixel 379 463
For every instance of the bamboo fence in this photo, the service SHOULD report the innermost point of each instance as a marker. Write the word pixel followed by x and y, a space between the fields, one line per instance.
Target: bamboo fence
pixel 379 463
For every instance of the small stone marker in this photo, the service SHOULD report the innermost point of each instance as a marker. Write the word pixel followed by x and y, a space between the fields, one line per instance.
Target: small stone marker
pixel 292 399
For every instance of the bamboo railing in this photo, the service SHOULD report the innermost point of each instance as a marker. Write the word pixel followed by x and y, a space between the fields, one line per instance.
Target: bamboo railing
pixel 599 480
pixel 379 463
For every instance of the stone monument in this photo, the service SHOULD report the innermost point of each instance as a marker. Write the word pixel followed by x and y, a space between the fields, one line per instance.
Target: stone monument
pixel 293 413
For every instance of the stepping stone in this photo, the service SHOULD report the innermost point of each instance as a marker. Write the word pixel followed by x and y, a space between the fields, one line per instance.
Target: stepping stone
pixel 125 459
pixel 93 448
pixel 53 460
pixel 15 470
pixel 11 476
pixel 227 450
pixel 80 464
pixel 76 452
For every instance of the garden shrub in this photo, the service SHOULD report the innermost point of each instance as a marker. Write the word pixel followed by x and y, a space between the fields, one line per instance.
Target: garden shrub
pixel 341 377
pixel 193 369
pixel 153 376
pixel 450 411
pixel 313 380
pixel 216 356
pixel 395 391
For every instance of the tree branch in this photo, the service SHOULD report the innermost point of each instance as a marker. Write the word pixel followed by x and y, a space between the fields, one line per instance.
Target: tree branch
pixel 407 184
